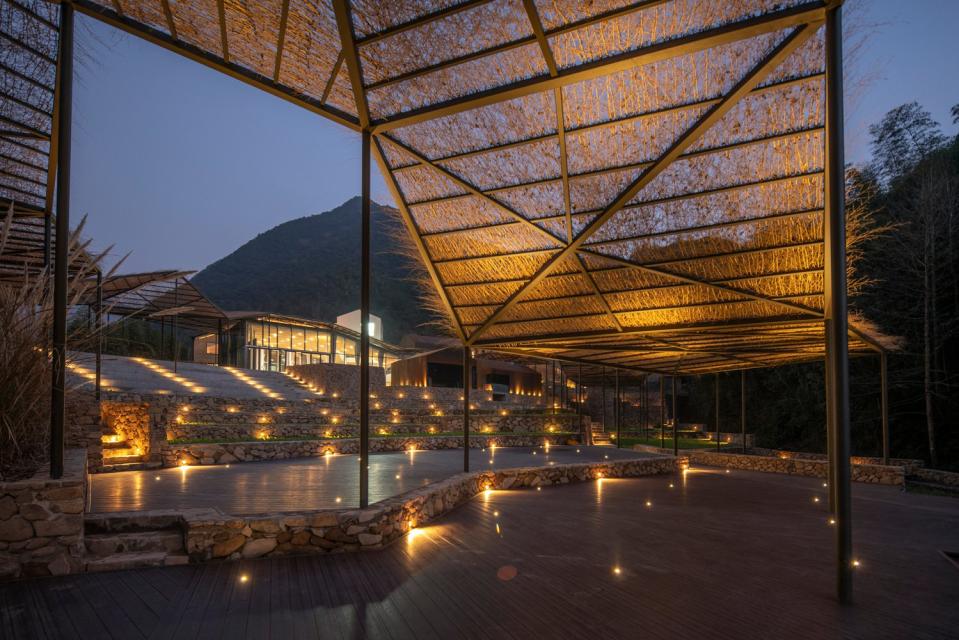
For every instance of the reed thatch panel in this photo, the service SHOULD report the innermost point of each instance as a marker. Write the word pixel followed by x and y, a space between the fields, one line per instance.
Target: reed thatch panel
pixel 599 322
pixel 782 110
pixel 460 213
pixel 808 59
pixel 197 22
pixel 480 294
pixel 421 183
pixel 252 33
pixel 457 81
pixel 661 22
pixel 637 140
pixel 510 121
pixel 534 201
pixel 570 306
pixel 777 158
pixel 558 286
pixel 692 244
pixel 480 269
pixel 789 195
pixel 310 48
pixel 481 27
pixel 726 312
pixel 666 83
pixel 589 193
pixel 665 297
pixel 515 165
pixel 625 279
pixel 486 242
pixel 755 263
pixel 373 16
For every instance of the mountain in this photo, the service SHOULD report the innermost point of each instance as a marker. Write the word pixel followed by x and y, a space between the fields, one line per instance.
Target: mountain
pixel 310 268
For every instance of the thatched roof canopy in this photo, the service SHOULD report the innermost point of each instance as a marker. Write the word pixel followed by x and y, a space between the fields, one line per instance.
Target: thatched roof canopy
pixel 637 184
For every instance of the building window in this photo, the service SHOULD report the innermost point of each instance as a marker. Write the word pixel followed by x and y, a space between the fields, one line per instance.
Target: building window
pixel 346 350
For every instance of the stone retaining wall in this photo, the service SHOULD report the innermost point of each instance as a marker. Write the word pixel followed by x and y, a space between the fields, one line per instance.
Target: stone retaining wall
pixel 41 522
pixel 909 464
pixel 212 535
pixel 235 426
pixel 947 478
pixel 230 452
pixel 868 473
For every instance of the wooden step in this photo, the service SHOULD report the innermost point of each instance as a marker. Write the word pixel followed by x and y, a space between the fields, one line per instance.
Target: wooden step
pixel 120 561
pixel 121 459
pixel 129 466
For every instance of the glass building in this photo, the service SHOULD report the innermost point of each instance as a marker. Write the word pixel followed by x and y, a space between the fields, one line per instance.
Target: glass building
pixel 269 342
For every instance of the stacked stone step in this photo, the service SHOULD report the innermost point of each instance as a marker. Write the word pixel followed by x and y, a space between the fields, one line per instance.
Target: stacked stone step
pixel 127 541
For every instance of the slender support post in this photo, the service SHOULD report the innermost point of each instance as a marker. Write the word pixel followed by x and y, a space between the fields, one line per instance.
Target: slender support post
pixel 675 421
pixel 662 412
pixel 837 356
pixel 99 346
pixel 467 373
pixel 175 336
pixel 645 407
pixel 579 404
pixel 59 361
pixel 219 338
pixel 884 400
pixel 364 324
pixel 742 406
pixel 718 446
pixel 604 400
pixel 617 413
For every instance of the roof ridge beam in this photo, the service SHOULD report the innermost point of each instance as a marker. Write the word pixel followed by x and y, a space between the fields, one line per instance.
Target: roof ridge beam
pixel 748 82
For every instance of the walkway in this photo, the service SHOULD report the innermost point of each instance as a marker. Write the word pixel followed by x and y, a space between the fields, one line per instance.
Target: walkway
pixel 312 483
pixel 739 555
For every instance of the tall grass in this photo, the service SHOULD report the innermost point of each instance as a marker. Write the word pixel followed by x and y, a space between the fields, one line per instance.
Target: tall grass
pixel 26 318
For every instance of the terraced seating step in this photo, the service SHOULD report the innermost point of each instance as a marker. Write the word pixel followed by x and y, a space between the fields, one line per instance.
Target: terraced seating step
pixel 130 466
pixel 102 545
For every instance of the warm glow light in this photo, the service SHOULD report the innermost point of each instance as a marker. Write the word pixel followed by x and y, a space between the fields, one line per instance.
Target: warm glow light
pixel 855 563
pixel 815 499
pixel 339 499
pixel 617 570
pixel 649 503
pixel 244 578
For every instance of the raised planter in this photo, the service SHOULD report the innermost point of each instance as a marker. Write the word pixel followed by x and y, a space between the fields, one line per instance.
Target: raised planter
pixel 211 535
pixel 41 522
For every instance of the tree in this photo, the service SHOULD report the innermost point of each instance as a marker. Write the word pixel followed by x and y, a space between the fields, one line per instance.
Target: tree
pixel 903 137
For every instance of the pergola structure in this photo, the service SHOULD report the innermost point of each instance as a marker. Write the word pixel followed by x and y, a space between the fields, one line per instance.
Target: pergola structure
pixel 651 186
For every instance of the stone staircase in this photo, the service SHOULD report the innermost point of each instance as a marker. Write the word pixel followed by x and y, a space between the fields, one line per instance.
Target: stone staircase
pixel 600 437
pixel 120 455
pixel 126 541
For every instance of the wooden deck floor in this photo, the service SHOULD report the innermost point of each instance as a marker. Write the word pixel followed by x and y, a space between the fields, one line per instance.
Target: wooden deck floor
pixel 314 483
pixel 738 555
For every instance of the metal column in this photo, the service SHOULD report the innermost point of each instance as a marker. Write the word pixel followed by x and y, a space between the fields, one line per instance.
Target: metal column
pixel 604 399
pixel 617 412
pixel 645 407
pixel 364 324
pixel 99 347
pixel 884 402
pixel 837 356
pixel 742 406
pixel 467 374
pixel 662 411
pixel 175 336
pixel 675 421
pixel 718 446
pixel 64 122
pixel 579 404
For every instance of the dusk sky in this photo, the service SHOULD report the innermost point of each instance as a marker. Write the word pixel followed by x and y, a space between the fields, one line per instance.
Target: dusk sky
pixel 180 165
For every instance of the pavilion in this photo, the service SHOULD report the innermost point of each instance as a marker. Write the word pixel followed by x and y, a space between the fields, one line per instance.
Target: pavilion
pixel 653 186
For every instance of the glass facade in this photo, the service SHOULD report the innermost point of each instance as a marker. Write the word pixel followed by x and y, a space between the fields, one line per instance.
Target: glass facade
pixel 268 345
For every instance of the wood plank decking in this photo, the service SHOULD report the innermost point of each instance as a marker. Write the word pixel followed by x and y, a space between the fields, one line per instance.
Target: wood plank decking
pixel 737 555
